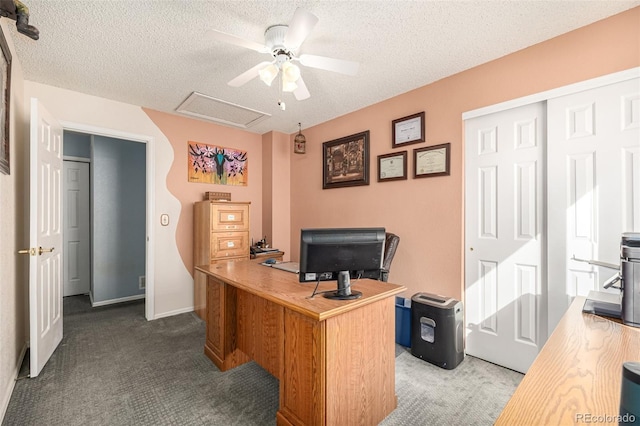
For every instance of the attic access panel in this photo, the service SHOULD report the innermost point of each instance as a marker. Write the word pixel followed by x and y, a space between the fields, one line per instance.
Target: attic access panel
pixel 212 109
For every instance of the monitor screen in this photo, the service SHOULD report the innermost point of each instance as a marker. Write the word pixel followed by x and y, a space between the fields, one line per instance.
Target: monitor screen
pixel 328 253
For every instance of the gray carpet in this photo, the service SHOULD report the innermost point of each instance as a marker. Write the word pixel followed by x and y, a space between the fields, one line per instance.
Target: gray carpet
pixel 115 368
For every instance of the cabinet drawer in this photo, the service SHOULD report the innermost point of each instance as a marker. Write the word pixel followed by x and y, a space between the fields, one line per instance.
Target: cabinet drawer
pixel 232 217
pixel 228 244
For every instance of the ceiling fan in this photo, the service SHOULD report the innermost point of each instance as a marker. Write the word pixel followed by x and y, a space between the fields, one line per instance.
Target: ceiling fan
pixel 282 43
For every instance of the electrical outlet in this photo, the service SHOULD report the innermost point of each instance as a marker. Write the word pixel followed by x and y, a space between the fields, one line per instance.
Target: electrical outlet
pixel 142 282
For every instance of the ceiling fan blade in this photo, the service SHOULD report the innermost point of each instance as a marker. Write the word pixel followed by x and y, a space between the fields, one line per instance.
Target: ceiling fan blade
pixel 301 92
pixel 330 64
pixel 248 75
pixel 300 26
pixel 238 41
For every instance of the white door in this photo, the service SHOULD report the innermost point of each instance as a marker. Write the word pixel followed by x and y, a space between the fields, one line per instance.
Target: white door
pixel 77 232
pixel 594 186
pixel 45 237
pixel 504 233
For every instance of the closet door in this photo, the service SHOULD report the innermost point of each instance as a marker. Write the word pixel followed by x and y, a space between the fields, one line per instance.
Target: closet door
pixel 504 233
pixel 594 186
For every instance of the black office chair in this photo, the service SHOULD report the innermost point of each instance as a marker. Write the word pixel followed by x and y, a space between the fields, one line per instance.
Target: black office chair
pixel 390 246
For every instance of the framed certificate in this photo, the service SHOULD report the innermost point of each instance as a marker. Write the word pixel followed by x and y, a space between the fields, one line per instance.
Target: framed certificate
pixel 432 161
pixel 392 166
pixel 408 130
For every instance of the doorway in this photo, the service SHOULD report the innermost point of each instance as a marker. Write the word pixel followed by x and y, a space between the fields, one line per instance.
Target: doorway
pixel 112 199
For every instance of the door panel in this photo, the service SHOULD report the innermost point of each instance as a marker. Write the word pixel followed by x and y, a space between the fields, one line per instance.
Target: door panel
pixel 594 168
pixel 45 237
pixel 504 236
pixel 77 244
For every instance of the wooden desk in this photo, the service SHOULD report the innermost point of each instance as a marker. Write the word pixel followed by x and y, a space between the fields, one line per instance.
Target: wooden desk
pixel 577 373
pixel 335 360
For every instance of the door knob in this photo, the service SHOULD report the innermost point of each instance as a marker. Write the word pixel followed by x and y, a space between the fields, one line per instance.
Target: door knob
pixel 33 251
pixel 43 250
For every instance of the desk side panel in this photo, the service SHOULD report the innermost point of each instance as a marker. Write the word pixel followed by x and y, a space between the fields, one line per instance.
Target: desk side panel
pixel 360 348
pixel 221 331
pixel 260 331
pixel 302 386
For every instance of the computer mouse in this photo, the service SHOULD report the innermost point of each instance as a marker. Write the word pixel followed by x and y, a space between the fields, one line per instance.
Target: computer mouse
pixel 270 261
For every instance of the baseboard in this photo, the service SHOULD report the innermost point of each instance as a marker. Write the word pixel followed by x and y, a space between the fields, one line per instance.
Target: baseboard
pixel 119 300
pixel 172 313
pixel 12 384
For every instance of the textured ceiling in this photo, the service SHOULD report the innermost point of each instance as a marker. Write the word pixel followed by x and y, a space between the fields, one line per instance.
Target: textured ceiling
pixel 155 53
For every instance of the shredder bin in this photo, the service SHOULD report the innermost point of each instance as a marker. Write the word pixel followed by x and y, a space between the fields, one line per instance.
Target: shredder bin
pixel 437 330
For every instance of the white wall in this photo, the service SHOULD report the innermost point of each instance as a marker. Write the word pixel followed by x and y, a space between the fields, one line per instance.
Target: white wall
pixel 173 286
pixel 13 291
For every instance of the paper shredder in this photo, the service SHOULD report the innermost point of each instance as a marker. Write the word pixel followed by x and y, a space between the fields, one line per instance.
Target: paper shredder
pixel 437 330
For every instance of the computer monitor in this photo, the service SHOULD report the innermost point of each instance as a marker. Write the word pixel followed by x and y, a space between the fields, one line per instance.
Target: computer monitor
pixel 340 254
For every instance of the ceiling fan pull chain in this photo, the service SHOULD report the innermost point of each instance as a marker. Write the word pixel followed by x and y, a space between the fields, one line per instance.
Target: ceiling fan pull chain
pixel 281 103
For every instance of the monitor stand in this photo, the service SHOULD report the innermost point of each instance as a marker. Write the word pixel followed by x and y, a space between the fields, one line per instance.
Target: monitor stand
pixel 344 288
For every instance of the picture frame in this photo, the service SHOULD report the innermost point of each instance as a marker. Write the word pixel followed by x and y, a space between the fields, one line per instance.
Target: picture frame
pixel 408 130
pixel 432 161
pixel 345 161
pixel 392 166
pixel 5 113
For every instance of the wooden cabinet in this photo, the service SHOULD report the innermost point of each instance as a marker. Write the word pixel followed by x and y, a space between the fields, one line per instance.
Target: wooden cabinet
pixel 220 233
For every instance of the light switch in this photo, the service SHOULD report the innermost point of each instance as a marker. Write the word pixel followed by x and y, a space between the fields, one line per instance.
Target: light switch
pixel 164 219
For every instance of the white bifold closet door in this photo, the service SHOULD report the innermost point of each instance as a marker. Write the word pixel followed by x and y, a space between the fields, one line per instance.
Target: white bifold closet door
pixel 504 230
pixel 594 186
pixel 543 183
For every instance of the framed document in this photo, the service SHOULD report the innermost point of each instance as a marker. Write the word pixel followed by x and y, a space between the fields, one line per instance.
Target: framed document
pixel 392 166
pixel 408 130
pixel 432 161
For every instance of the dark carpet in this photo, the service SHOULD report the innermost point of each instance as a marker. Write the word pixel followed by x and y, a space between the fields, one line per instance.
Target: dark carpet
pixel 114 367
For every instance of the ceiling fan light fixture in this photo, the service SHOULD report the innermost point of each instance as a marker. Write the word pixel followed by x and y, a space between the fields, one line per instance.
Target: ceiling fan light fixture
pixel 288 86
pixel 290 72
pixel 268 74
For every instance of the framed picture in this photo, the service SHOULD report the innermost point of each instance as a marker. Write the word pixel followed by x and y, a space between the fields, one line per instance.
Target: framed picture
pixel 407 130
pixel 5 102
pixel 346 161
pixel 392 166
pixel 432 161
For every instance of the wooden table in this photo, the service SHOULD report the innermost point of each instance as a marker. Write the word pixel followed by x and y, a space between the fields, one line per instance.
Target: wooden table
pixel 577 374
pixel 335 360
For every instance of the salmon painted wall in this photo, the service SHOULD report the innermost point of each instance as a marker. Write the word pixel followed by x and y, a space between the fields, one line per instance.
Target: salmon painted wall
pixel 179 130
pixel 276 195
pixel 428 213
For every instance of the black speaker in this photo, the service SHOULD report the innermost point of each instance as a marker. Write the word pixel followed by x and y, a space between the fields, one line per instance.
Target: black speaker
pixel 630 394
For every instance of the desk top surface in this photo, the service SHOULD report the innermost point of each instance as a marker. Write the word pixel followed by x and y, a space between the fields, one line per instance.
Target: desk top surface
pixel 284 288
pixel 577 373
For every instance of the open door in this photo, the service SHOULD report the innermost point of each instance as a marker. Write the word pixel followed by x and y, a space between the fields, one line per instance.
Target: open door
pixel 45 237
